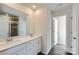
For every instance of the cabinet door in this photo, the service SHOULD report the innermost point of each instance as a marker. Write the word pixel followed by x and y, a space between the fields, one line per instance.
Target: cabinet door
pixel 74 50
pixel 12 50
pixel 37 45
pixel 29 48
pixel 20 52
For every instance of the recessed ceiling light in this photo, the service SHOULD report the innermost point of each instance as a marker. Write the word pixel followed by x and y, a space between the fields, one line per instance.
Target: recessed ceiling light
pixel 34 6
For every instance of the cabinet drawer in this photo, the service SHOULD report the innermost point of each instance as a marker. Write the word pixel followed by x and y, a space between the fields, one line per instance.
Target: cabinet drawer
pixel 20 52
pixel 12 50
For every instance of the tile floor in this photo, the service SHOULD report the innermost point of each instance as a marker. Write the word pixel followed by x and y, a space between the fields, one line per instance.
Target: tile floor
pixel 59 49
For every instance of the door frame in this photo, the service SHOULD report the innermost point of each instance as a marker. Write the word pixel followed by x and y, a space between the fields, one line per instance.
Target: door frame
pixel 68 19
pixel 52 29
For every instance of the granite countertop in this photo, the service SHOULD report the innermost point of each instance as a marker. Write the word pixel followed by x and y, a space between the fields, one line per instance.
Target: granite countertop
pixel 17 41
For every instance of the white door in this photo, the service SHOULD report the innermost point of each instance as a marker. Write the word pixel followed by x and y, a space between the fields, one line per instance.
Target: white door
pixel 4 26
pixel 55 31
pixel 62 30
pixel 59 30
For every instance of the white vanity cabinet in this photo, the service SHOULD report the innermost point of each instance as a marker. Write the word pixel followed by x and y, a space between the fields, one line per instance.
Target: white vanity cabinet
pixel 37 45
pixel 31 47
pixel 13 50
pixel 20 52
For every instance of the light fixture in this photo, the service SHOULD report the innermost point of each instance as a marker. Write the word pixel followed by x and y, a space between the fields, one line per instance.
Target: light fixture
pixel 34 6
pixel 6 14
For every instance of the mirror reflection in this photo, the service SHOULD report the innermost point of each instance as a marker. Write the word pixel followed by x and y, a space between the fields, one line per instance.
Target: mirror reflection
pixel 11 26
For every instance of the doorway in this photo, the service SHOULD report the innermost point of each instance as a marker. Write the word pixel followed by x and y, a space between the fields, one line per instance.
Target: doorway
pixel 59 30
pixel 55 30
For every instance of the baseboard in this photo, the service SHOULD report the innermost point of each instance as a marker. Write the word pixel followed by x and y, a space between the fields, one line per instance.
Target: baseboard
pixel 69 53
pixel 40 53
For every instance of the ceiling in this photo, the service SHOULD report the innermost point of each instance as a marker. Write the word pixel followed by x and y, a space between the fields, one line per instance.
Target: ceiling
pixel 52 6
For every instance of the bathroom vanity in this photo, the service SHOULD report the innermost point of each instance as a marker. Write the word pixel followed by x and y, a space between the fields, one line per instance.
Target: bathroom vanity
pixel 15 39
pixel 22 46
pixel 16 36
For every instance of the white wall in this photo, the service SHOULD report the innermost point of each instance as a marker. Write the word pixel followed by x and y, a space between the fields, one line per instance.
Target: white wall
pixel 75 29
pixel 43 26
pixel 62 29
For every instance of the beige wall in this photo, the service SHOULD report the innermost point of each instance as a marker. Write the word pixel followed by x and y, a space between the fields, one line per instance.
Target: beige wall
pixel 42 26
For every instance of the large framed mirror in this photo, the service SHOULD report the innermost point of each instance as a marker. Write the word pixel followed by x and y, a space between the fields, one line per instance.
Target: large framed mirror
pixel 12 22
